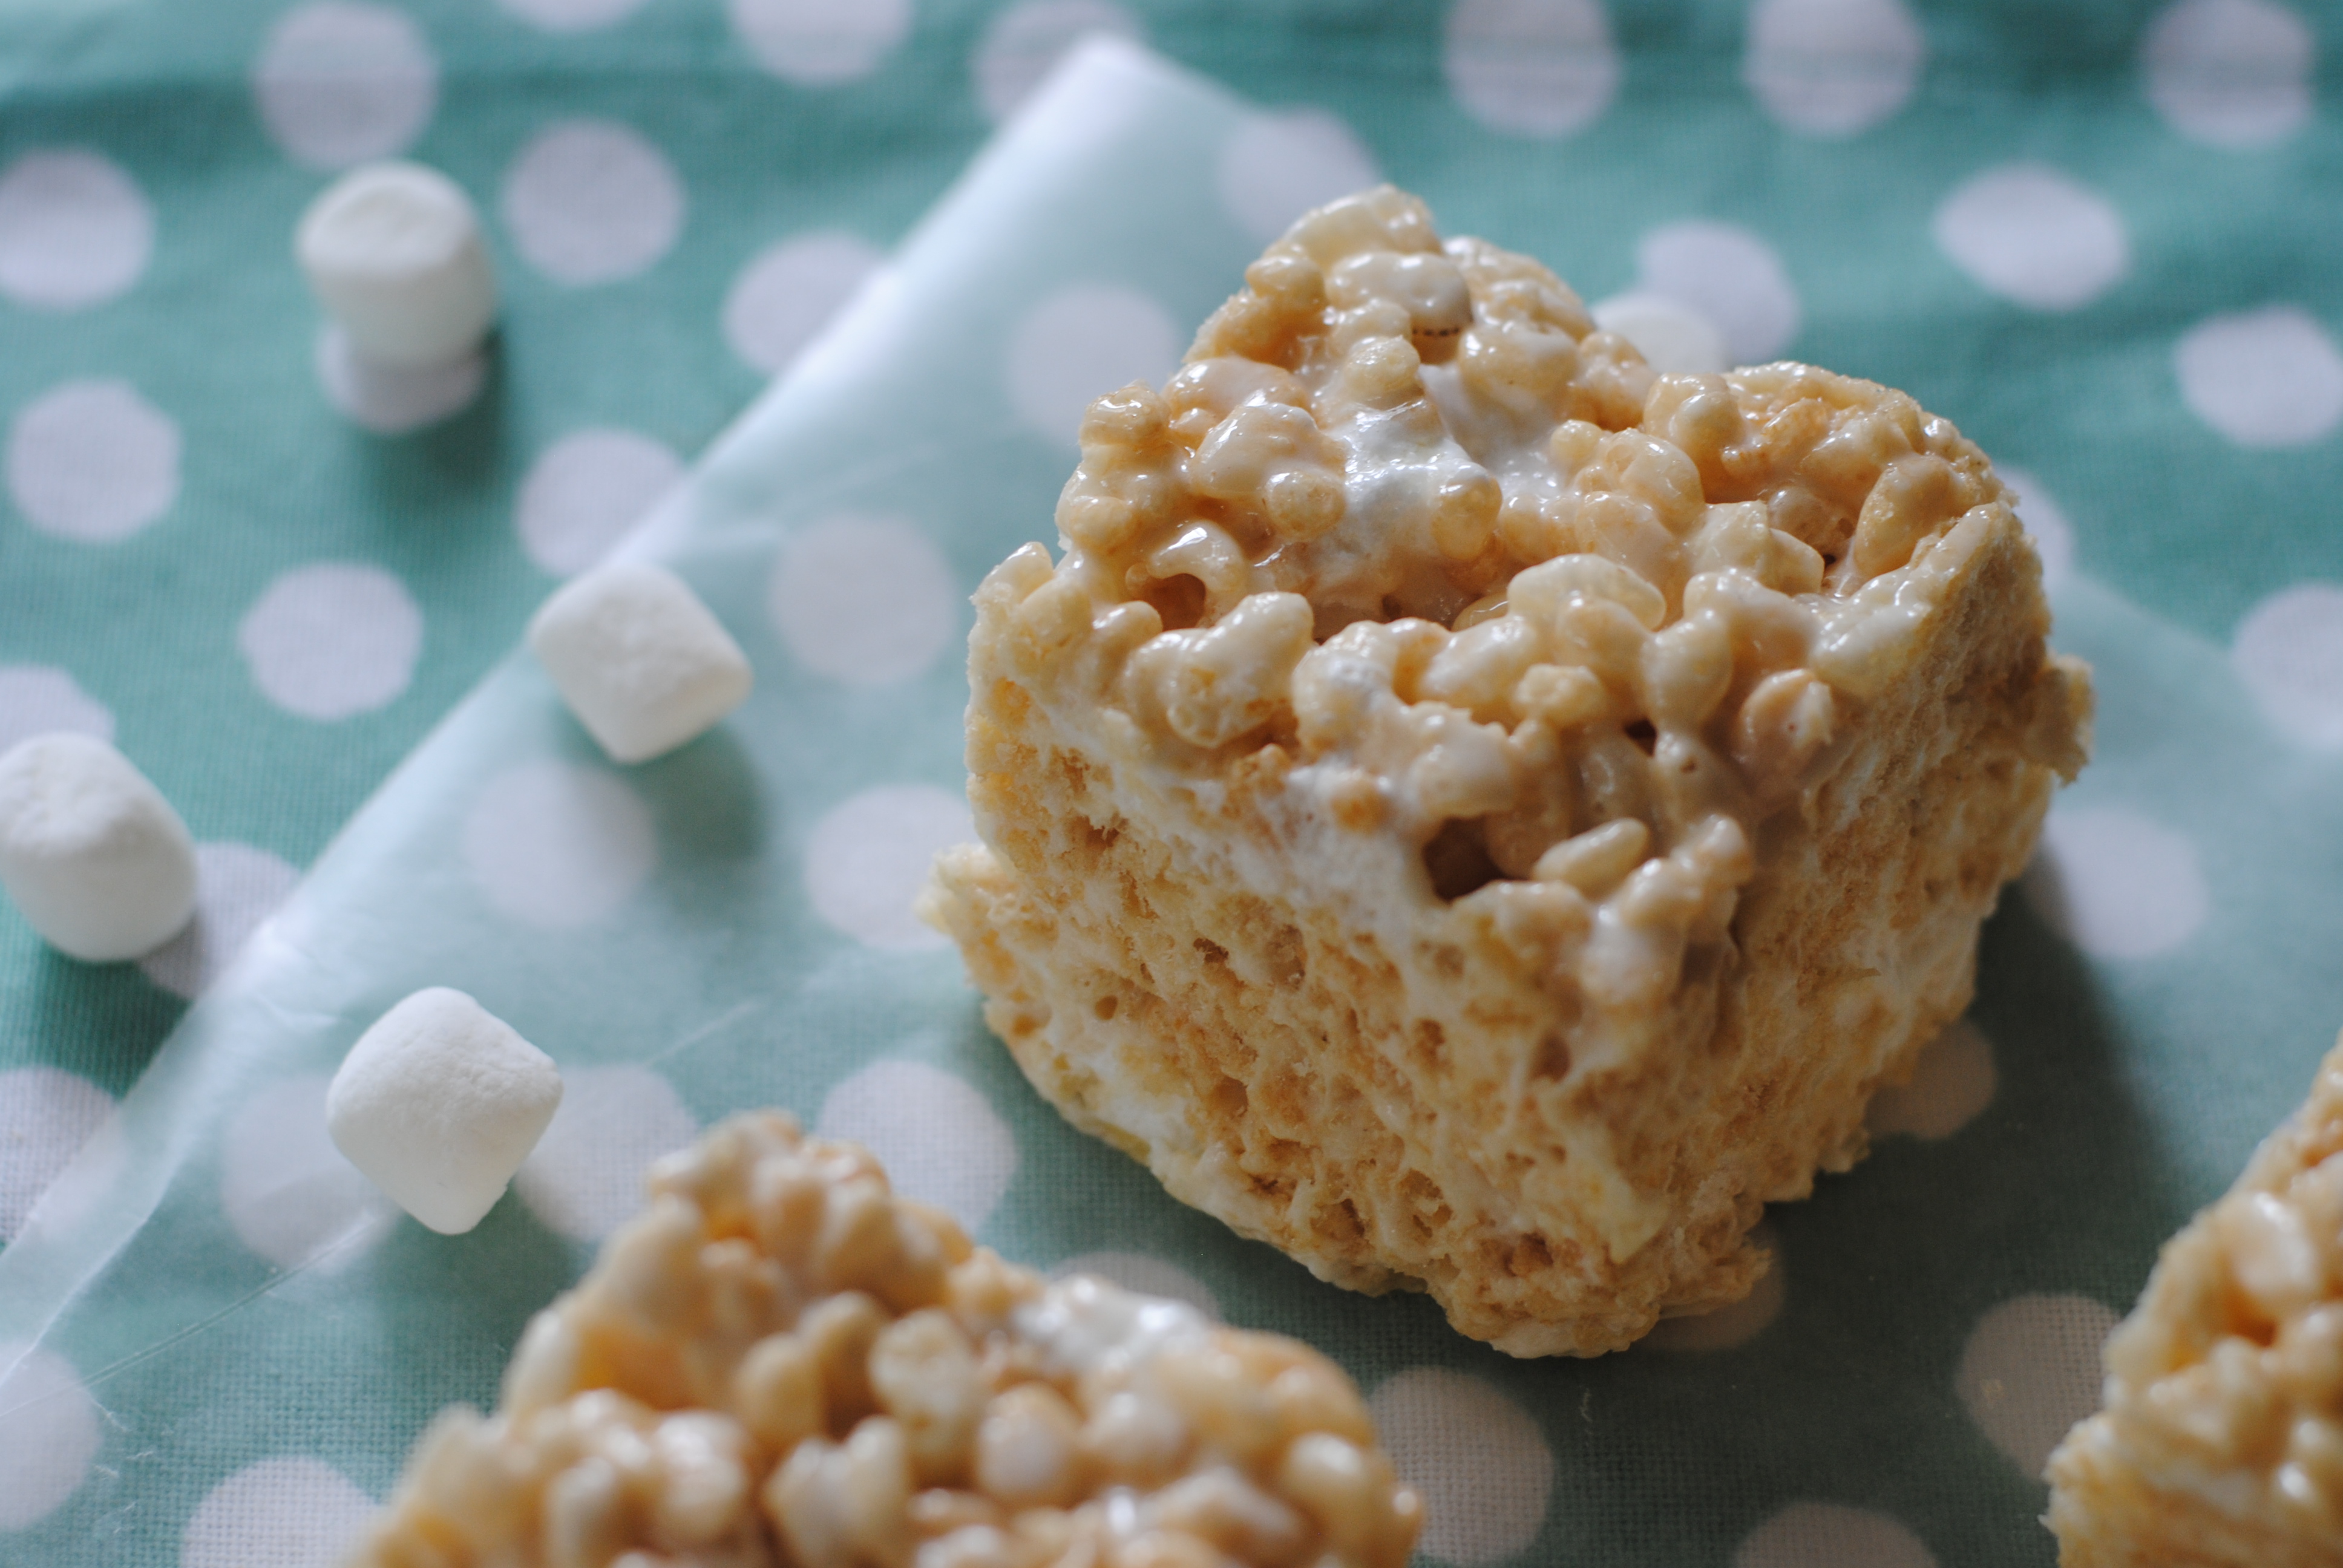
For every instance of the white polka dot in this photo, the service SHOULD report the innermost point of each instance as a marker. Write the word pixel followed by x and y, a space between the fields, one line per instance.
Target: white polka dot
pixel 585 1177
pixel 340 82
pixel 867 860
pixel 586 491
pixel 1026 40
pixel 288 1513
pixel 94 461
pixel 559 846
pixel 938 1137
pixel 1276 166
pixel 2267 377
pixel 74 230
pixel 2236 73
pixel 1478 1459
pixel 2045 524
pixel 1080 344
pixel 591 201
pixel 571 16
pixel 1532 67
pixel 2118 884
pixel 1729 276
pixel 48 1430
pixel 2031 1370
pixel 816 43
pixel 1950 1087
pixel 2288 653
pixel 869 601
pixel 1670 335
pixel 287 1192
pixel 1833 67
pixel 2028 234
pixel 1832 1535
pixel 1730 1327
pixel 330 640
pixel 88 1177
pixel 236 887
pixel 46 1114
pixel 41 699
pixel 1148 1275
pixel 787 294
pixel 393 399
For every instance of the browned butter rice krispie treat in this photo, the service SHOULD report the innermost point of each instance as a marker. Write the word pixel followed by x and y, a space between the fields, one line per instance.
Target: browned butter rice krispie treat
pixel 2221 1442
pixel 781 1364
pixel 1485 817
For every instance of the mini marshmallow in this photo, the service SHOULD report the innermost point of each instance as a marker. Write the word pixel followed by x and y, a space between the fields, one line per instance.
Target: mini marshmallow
pixel 438 1103
pixel 1671 336
pixel 638 658
pixel 90 851
pixel 393 251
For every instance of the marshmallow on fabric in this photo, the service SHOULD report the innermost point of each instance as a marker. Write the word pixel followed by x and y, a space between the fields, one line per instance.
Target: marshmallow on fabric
pixel 392 252
pixel 438 1103
pixel 1672 336
pixel 90 851
pixel 638 658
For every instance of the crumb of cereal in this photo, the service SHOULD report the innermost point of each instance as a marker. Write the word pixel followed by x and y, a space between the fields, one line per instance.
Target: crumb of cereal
pixel 2221 1442
pixel 1483 816
pixel 780 1362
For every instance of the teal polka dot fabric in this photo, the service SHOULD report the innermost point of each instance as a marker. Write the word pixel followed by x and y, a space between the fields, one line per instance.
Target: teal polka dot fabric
pixel 2099 237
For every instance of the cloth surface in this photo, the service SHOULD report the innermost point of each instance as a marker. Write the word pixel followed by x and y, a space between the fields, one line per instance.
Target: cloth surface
pixel 2099 241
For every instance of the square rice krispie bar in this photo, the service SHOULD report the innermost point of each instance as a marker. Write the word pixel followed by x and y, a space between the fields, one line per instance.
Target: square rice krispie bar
pixel 2221 1442
pixel 1485 817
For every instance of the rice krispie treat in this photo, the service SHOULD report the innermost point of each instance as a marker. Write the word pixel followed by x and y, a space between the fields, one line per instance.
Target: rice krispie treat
pixel 2221 1442
pixel 780 1364
pixel 1480 815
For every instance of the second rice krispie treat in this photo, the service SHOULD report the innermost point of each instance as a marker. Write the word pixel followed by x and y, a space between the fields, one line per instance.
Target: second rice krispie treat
pixel 1485 817
pixel 2221 1442
pixel 782 1364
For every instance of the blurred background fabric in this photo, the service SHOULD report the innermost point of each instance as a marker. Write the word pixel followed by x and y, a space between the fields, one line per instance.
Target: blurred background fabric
pixel 2103 238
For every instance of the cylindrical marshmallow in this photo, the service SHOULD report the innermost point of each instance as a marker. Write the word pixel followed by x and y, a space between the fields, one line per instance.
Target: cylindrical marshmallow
pixel 1670 334
pixel 90 851
pixel 638 658
pixel 393 251
pixel 438 1103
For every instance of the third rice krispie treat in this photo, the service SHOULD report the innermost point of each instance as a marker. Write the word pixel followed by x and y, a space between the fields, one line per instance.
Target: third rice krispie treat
pixel 782 1364
pixel 1485 817
pixel 2221 1445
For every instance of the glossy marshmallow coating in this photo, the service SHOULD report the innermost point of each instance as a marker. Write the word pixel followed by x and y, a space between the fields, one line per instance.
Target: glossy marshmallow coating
pixel 438 1103
pixel 641 662
pixel 90 851
pixel 392 252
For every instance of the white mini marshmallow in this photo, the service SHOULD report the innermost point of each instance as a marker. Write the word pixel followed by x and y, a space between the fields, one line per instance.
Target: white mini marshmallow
pixel 638 658
pixel 90 851
pixel 393 251
pixel 1671 336
pixel 438 1103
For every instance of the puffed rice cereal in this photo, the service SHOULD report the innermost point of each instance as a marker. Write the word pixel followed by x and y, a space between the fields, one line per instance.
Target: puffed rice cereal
pixel 781 1364
pixel 2221 1442
pixel 1483 815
